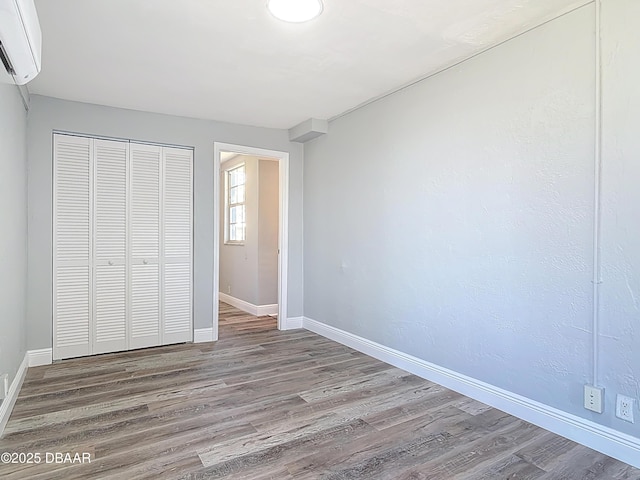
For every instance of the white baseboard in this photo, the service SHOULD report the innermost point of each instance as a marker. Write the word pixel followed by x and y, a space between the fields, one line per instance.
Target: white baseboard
pixel 12 395
pixel 603 439
pixel 203 335
pixel 36 358
pixel 267 309
pixel 250 308
pixel 292 323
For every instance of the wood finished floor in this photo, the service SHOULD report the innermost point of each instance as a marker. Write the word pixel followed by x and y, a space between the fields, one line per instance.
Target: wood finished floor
pixel 263 404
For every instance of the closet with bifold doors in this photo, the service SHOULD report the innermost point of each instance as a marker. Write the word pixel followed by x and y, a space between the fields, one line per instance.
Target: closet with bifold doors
pixel 122 245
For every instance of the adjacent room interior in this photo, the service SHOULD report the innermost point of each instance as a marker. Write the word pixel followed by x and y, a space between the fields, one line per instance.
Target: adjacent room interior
pixel 364 239
pixel 249 233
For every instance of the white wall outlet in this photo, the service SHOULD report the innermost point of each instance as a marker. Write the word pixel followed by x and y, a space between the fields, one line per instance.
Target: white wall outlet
pixel 4 388
pixel 624 408
pixel 228 289
pixel 593 398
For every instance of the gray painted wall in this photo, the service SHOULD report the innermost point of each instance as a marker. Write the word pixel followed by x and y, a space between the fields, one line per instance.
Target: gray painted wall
pixel 268 172
pixel 48 114
pixel 249 272
pixel 13 233
pixel 619 357
pixel 453 220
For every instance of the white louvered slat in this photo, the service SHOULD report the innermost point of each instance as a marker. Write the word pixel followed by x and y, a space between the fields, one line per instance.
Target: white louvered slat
pixel 71 246
pixel 177 202
pixel 110 246
pixel 145 305
pixel 72 309
pixel 71 178
pixel 110 308
pixel 177 245
pixel 145 201
pixel 145 245
pixel 110 199
pixel 177 302
pixel 123 228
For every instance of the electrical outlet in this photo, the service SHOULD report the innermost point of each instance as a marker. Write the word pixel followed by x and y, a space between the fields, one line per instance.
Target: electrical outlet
pixel 624 408
pixel 228 288
pixel 593 398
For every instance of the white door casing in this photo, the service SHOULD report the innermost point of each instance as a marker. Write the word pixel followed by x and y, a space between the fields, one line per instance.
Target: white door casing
pixel 283 234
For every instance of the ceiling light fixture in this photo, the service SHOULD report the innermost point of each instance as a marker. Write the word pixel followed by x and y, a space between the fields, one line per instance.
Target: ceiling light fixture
pixel 295 11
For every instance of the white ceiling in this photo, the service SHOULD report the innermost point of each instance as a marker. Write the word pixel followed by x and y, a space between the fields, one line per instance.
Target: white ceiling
pixel 230 60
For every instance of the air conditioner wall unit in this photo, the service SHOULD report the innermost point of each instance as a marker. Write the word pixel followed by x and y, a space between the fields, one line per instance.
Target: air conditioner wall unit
pixel 20 39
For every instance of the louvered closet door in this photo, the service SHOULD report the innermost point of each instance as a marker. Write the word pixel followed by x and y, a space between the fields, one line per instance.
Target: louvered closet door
pixel 111 160
pixel 145 245
pixel 72 171
pixel 177 245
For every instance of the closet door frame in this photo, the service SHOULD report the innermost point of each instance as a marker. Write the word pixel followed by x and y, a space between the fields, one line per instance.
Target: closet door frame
pixel 89 349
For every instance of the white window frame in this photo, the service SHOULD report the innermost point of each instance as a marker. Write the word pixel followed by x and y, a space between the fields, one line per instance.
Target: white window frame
pixel 229 205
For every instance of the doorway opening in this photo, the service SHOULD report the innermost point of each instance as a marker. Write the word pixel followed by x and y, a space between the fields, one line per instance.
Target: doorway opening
pixel 237 172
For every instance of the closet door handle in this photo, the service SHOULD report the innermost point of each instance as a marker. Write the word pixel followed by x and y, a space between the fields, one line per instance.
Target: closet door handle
pixel 110 262
pixel 144 262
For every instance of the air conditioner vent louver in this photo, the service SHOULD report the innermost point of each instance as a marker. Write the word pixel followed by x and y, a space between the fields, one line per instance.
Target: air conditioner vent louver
pixel 5 61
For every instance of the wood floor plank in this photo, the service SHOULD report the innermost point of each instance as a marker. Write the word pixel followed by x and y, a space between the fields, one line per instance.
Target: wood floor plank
pixel 402 442
pixel 477 455
pixel 512 467
pixel 546 451
pixel 266 404
pixel 280 450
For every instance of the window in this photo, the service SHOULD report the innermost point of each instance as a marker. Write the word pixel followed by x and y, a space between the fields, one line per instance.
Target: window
pixel 235 226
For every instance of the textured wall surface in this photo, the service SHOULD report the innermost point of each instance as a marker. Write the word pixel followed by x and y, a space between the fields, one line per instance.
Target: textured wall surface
pixel 48 114
pixel 619 352
pixel 13 230
pixel 453 220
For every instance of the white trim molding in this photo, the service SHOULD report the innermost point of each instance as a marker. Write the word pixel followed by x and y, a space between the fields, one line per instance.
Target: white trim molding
pixel 12 395
pixel 43 356
pixel 293 323
pixel 257 310
pixel 603 439
pixel 203 335
pixel 267 310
